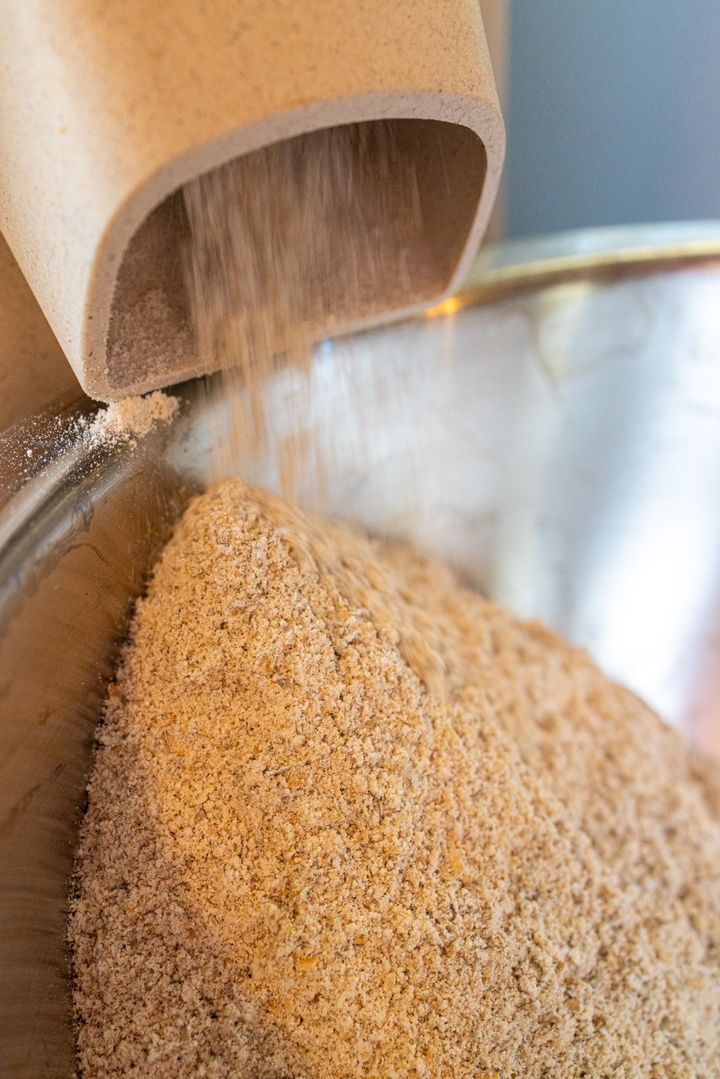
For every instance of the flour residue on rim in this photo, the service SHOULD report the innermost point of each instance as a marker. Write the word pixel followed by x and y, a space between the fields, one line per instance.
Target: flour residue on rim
pixel 128 419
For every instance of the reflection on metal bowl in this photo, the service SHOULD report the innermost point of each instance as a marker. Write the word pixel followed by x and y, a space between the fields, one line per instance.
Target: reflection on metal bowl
pixel 554 432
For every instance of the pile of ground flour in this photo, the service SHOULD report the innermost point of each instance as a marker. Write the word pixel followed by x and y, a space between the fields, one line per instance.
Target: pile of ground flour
pixel 128 419
pixel 349 819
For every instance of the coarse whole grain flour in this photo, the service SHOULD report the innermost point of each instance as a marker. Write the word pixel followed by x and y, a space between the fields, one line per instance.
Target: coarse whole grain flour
pixel 347 818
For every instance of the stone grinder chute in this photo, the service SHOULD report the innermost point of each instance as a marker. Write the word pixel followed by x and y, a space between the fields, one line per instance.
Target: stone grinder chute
pixel 106 110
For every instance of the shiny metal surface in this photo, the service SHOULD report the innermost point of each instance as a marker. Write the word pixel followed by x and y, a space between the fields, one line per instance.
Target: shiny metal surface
pixel 561 448
pixel 543 260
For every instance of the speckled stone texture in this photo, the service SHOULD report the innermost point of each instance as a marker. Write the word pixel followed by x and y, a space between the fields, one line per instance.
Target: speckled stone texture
pixel 107 109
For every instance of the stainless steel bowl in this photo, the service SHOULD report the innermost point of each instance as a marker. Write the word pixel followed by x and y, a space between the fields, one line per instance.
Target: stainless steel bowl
pixel 554 432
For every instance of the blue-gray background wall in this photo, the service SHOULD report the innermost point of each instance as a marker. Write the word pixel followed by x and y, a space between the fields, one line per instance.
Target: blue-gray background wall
pixel 613 113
